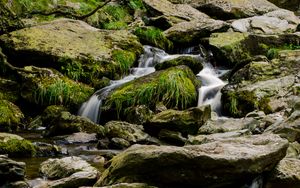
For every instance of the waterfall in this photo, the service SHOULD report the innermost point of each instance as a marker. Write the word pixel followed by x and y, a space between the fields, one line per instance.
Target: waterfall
pixel 210 91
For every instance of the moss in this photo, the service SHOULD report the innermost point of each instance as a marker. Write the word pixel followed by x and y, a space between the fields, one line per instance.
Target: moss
pixel 153 36
pixel 174 87
pixel 125 60
pixel 17 148
pixel 114 17
pixel 10 116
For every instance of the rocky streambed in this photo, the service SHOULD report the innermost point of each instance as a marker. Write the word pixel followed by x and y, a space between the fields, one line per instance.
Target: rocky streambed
pixel 156 108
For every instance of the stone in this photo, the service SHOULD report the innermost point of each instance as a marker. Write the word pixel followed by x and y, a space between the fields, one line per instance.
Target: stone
pixel 223 125
pixel 222 163
pixel 81 137
pixel 9 90
pixel 9 21
pixel 58 44
pixel 286 174
pixel 11 116
pixel 171 137
pixel 60 168
pixel 10 170
pixel 292 5
pixel 185 122
pixel 118 143
pixel 46 150
pixel 293 151
pixel 138 114
pixel 126 185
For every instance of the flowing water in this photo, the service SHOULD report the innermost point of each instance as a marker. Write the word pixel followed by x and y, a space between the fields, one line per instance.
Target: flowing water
pixel 209 93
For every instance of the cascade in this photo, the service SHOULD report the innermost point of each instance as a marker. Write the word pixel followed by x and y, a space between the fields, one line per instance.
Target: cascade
pixel 209 93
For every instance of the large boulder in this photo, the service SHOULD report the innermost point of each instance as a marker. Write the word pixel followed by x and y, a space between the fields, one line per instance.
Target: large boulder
pixel 9 21
pixel 49 87
pixel 292 5
pixel 10 170
pixel 104 53
pixel 174 87
pixel 16 146
pixel 228 9
pixel 228 162
pixel 286 174
pixel 11 116
pixel 186 122
pixel 276 22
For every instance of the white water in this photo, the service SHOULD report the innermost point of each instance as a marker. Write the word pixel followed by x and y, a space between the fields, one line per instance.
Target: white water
pixel 209 93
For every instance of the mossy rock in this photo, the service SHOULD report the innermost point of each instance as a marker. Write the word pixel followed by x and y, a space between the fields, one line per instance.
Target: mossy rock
pixel 196 65
pixel 154 37
pixel 175 87
pixel 49 87
pixel 58 44
pixel 10 116
pixel 9 21
pixel 16 146
pixel 9 90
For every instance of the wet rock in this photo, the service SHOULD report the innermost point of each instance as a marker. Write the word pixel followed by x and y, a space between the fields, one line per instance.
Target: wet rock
pixel 202 139
pixel 223 125
pixel 175 87
pixel 46 150
pixel 81 137
pixel 60 122
pixel 286 174
pixel 16 146
pixel 105 53
pixel 228 9
pixel 171 137
pixel 278 21
pixel 10 170
pixel 195 64
pixel 118 143
pixel 60 168
pixel 227 162
pixel 9 21
pixel 11 116
pixel 186 122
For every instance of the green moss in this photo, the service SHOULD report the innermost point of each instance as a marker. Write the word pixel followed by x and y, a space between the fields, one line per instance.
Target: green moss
pixel 72 69
pixel 17 148
pixel 174 87
pixel 10 116
pixel 273 52
pixel 136 4
pixel 114 17
pixel 153 36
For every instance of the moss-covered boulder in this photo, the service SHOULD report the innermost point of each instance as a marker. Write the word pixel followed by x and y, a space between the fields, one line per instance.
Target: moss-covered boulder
pixel 9 21
pixel 61 122
pixel 49 87
pixel 174 87
pixel 9 90
pixel 186 122
pixel 228 9
pixel 228 162
pixel 75 48
pixel 10 116
pixel 16 146
pixel 195 64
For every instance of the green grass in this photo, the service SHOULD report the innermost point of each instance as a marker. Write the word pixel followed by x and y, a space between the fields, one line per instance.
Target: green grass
pixel 173 87
pixel 154 37
pixel 125 59
pixel 115 17
pixel 136 4
pixel 272 53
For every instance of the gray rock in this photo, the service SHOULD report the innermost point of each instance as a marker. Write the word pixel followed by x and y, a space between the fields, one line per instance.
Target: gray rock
pixel 126 185
pixel 171 137
pixel 10 170
pixel 64 167
pixel 286 174
pixel 81 137
pixel 214 164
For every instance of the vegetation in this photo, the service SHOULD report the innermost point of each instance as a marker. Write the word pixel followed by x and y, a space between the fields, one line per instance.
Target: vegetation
pixel 125 59
pixel 17 148
pixel 272 52
pixel 154 37
pixel 174 87
pixel 10 116
pixel 114 17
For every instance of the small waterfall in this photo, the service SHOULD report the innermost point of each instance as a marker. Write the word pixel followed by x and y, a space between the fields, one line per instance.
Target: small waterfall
pixel 92 108
pixel 210 91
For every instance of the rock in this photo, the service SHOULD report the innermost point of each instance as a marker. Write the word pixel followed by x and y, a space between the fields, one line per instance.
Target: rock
pixel 286 174
pixel 227 163
pixel 118 143
pixel 46 150
pixel 51 87
pixel 131 133
pixel 127 185
pixel 105 53
pixel 11 116
pixel 138 114
pixel 81 137
pixel 202 139
pixel 10 170
pixel 223 125
pixel 186 122
pixel 174 87
pixel 9 90
pixel 195 64
pixel 60 168
pixel 9 21
pixel 292 5
pixel 190 31
pixel 16 146
pixel 276 22
pixel 288 129
pixel 228 9
pixel 171 137
pixel 293 151
pixel 60 122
